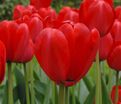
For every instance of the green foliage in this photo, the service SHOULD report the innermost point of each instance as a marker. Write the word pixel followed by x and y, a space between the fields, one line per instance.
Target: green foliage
pixel 7 6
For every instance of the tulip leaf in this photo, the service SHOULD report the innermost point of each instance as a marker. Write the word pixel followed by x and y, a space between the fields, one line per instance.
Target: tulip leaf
pixel 105 97
pixel 5 95
pixel 36 76
pixel 91 96
pixel 20 81
pixel 40 89
pixel 47 93
pixel 88 82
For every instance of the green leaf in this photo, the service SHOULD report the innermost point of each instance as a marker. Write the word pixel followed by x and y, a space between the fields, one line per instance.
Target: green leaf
pixel 105 98
pixel 88 83
pixel 47 93
pixel 91 97
pixel 20 81
pixel 5 95
pixel 40 89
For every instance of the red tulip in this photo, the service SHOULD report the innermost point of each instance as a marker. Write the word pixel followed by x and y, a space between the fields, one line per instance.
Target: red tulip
pixel 66 54
pixel 97 14
pixel 34 23
pixel 20 11
pixel 35 26
pixel 30 16
pixel 106 43
pixel 113 94
pixel 2 61
pixel 19 47
pixel 68 13
pixel 115 31
pixel 114 57
pixel 118 12
pixel 44 12
pixel 40 3
pixel 48 16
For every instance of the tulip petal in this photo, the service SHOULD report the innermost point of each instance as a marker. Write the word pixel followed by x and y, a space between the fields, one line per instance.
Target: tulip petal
pixel 52 53
pixel 115 58
pixel 2 61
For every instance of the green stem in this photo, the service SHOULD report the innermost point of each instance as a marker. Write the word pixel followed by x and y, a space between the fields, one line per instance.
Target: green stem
pixel 73 96
pixel 79 89
pixel 110 81
pixel 54 93
pixel 26 85
pixel 61 95
pixel 67 95
pixel 10 84
pixel 116 91
pixel 98 82
pixel 32 84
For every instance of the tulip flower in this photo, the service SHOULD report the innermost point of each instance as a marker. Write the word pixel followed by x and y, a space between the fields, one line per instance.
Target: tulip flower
pixel 106 43
pixel 113 94
pixel 115 54
pixel 48 16
pixel 2 61
pixel 67 13
pixel 34 24
pixel 19 47
pixel 114 57
pixel 44 12
pixel 40 3
pixel 66 54
pixel 97 14
pixel 20 11
pixel 118 12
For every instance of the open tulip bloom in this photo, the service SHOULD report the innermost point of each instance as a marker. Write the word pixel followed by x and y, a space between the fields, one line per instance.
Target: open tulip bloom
pixel 66 54
pixel 19 46
pixel 97 14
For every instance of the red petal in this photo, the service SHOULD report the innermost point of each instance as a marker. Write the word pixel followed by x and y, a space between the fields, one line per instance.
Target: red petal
pixel 115 58
pixel 35 26
pixel 99 14
pixel 52 54
pixel 40 3
pixel 2 61
pixel 106 43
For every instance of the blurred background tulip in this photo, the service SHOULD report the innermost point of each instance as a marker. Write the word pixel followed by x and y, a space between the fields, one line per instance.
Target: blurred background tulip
pixel 40 3
pixel 97 14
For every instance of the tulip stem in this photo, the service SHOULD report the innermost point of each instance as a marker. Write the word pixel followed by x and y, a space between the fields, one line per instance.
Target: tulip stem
pixel 73 95
pixel 116 91
pixel 110 81
pixel 79 89
pixel 98 81
pixel 10 84
pixel 26 85
pixel 61 94
pixel 32 84
pixel 54 93
pixel 66 95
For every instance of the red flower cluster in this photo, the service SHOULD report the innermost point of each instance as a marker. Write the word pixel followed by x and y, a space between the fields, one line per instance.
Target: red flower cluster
pixel 65 43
